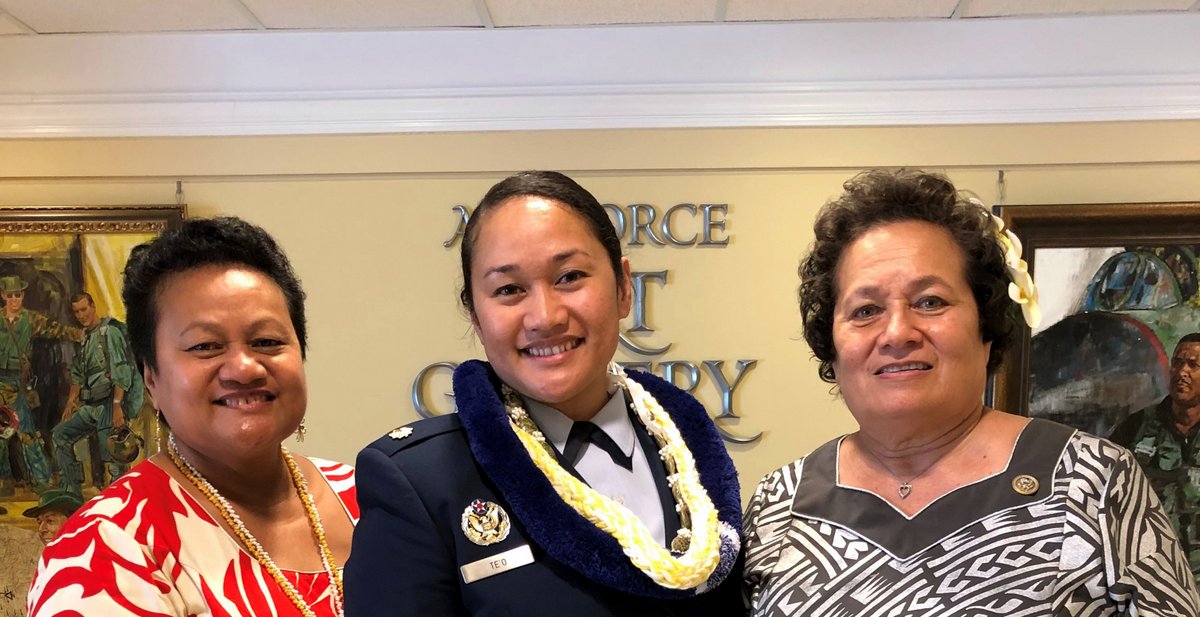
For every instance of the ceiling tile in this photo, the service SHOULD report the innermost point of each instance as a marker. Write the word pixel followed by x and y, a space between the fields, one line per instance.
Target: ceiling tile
pixel 128 15
pixel 799 10
pixel 595 12
pixel 1003 8
pixel 364 14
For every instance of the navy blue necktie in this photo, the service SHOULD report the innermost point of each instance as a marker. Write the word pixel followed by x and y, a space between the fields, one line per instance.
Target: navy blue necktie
pixel 586 432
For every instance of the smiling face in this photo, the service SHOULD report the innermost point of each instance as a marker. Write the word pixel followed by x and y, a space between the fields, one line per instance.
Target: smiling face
pixel 13 300
pixel 906 328
pixel 49 523
pixel 547 303
pixel 230 379
pixel 85 313
pixel 1185 375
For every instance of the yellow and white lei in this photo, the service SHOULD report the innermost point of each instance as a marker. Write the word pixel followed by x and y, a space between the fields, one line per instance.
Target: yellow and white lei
pixel 699 545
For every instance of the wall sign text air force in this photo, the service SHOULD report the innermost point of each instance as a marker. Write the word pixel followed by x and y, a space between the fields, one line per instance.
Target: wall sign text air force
pixel 682 226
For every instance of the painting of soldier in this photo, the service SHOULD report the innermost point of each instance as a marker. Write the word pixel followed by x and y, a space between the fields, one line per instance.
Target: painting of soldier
pixel 1164 439
pixel 19 383
pixel 105 383
pixel 71 396
pixel 53 509
pixel 1112 315
pixel 1118 355
pixel 72 401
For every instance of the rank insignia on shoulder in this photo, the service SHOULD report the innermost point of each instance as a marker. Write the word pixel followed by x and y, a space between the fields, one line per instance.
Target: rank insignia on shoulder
pixel 401 433
pixel 484 523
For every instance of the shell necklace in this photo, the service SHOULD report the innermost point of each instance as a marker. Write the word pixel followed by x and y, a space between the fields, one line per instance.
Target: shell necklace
pixel 251 543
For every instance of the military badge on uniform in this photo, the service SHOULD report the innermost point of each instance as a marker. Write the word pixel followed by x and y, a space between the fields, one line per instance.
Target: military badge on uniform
pixel 401 433
pixel 484 523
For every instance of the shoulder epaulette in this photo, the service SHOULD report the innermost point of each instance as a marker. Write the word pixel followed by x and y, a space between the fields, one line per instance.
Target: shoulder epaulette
pixel 409 435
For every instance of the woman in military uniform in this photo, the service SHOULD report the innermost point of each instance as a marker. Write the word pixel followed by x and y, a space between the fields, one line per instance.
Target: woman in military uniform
pixel 564 484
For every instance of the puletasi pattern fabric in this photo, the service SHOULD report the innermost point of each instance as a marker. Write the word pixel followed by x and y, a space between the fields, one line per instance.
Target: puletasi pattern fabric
pixel 1093 540
pixel 144 546
pixel 1171 460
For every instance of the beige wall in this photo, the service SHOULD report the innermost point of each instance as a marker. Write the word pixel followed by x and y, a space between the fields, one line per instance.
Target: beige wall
pixel 364 217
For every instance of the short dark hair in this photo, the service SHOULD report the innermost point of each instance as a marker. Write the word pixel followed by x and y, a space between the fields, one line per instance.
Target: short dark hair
pixel 193 244
pixel 550 185
pixel 1190 339
pixel 81 295
pixel 879 197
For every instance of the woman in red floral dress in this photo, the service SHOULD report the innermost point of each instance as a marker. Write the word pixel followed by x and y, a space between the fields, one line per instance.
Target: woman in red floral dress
pixel 223 521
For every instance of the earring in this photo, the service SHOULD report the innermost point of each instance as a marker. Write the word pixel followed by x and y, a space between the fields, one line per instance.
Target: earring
pixel 301 431
pixel 158 429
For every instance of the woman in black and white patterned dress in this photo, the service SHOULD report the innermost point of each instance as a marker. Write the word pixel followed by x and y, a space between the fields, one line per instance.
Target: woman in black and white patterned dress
pixel 939 505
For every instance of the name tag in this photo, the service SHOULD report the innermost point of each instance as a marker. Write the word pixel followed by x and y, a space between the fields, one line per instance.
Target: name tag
pixel 503 562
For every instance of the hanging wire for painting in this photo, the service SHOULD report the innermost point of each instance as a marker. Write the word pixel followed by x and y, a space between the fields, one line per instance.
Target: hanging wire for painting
pixel 179 192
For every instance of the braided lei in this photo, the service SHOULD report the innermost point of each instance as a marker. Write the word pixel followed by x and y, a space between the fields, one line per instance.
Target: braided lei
pixel 590 532
pixel 697 552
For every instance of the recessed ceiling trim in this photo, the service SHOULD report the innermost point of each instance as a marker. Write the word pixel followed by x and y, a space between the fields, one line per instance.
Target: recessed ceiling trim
pixel 951 71
pixel 12 19
pixel 1079 99
pixel 485 14
pixel 249 13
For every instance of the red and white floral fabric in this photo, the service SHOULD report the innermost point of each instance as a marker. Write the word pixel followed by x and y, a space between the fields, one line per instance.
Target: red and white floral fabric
pixel 145 547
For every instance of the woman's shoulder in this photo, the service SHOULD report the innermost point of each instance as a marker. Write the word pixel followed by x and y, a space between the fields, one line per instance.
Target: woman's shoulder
pixel 1099 451
pixel 134 506
pixel 145 483
pixel 332 470
pixel 340 478
pixel 422 433
pixel 1081 456
pixel 782 482
pixel 1077 445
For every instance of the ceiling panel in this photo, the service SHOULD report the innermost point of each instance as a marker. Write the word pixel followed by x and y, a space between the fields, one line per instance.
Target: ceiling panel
pixel 86 16
pixel 1003 8
pixel 55 16
pixel 364 14
pixel 799 10
pixel 594 12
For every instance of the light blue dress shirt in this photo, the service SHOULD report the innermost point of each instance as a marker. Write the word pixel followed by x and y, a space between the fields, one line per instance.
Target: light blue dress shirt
pixel 632 488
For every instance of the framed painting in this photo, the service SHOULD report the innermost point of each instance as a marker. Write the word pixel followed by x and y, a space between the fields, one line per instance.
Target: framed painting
pixel 1117 353
pixel 72 403
pixel 1118 287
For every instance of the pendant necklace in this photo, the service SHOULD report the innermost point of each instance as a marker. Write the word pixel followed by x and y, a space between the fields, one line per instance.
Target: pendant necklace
pixel 906 486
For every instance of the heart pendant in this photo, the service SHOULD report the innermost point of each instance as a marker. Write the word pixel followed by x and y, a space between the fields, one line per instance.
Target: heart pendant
pixel 904 490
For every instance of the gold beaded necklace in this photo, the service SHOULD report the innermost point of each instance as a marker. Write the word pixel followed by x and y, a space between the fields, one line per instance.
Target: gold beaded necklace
pixel 252 544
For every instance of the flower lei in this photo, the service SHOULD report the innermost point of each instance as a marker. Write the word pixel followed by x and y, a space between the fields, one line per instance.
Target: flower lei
pixel 1021 289
pixel 697 547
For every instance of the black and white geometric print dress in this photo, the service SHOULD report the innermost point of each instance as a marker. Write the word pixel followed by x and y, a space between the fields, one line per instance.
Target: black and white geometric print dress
pixel 1092 540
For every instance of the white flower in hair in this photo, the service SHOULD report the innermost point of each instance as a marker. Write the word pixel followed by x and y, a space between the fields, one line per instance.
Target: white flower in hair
pixel 1021 288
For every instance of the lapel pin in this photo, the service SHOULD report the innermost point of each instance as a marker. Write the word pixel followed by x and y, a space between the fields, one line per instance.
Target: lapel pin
pixel 1025 484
